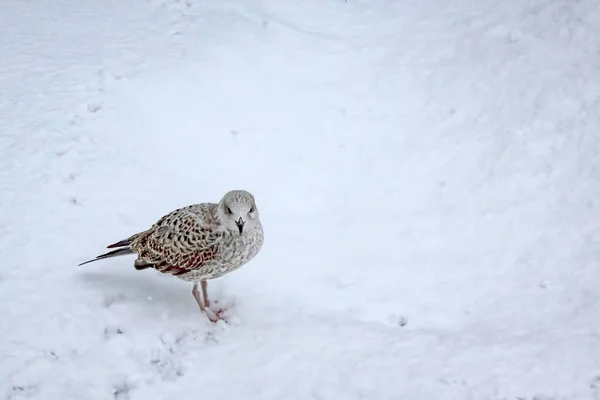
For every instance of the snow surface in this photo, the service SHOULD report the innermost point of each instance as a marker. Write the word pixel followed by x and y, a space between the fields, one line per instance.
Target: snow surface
pixel 427 174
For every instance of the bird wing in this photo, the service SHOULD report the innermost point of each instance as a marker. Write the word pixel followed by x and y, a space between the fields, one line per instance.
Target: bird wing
pixel 183 241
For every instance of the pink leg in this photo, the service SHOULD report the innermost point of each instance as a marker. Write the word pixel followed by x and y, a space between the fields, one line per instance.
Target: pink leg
pixel 196 295
pixel 204 285
pixel 209 313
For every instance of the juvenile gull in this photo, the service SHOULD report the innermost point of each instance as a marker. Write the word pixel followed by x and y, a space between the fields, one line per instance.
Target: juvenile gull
pixel 198 242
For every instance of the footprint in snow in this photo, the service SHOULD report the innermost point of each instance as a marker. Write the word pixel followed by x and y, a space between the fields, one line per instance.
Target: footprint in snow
pixel 397 320
pixel 113 299
pixel 112 331
pixel 94 107
pixel 21 391
pixel 121 390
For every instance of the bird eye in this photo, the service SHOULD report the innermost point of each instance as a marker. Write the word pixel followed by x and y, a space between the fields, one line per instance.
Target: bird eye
pixel 229 210
pixel 252 210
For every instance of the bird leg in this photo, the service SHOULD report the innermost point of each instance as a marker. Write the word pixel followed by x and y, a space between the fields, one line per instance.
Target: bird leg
pixel 204 308
pixel 196 295
pixel 204 286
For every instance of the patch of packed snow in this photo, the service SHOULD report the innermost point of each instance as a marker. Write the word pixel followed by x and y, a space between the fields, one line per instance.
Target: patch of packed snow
pixel 427 175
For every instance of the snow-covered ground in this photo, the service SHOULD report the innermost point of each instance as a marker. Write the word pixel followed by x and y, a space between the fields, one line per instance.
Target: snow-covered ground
pixel 427 174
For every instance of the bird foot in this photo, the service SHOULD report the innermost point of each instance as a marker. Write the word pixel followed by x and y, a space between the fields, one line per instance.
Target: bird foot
pixel 215 315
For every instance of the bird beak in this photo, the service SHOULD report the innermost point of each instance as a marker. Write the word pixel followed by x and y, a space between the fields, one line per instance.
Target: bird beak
pixel 240 224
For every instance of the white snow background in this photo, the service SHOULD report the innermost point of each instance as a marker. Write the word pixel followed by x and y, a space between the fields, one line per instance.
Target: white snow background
pixel 427 174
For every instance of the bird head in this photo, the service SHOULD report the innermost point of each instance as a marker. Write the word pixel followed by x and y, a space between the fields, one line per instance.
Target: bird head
pixel 237 211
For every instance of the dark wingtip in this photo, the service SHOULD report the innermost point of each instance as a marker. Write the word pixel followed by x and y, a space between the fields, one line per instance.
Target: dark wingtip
pixel 120 243
pixel 88 261
pixel 114 253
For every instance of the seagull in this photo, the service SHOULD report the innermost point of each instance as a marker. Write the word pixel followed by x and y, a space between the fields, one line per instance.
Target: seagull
pixel 198 242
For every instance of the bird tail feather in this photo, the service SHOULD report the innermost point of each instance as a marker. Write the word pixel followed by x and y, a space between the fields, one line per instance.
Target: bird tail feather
pixel 121 243
pixel 114 253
